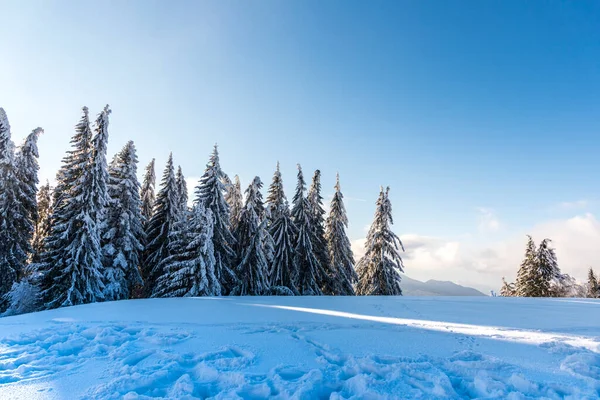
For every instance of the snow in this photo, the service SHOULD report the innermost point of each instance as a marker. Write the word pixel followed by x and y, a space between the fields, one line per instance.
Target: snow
pixel 305 348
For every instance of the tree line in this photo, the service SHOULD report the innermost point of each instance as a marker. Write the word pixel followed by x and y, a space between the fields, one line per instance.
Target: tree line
pixel 100 235
pixel 540 276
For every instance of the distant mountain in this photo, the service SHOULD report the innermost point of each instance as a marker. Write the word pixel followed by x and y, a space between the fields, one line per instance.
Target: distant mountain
pixel 413 287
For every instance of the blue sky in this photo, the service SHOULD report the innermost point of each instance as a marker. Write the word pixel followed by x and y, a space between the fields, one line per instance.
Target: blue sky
pixel 476 113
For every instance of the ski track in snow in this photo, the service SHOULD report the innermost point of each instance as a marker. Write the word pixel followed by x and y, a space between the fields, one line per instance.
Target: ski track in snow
pixel 143 362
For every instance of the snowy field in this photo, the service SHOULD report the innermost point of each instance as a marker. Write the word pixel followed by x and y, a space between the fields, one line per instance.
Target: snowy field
pixel 305 348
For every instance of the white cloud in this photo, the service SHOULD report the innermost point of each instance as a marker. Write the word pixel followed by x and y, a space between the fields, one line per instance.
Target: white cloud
pixel 488 222
pixel 483 265
pixel 570 205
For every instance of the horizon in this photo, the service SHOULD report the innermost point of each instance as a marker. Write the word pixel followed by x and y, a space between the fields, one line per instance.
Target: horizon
pixel 497 121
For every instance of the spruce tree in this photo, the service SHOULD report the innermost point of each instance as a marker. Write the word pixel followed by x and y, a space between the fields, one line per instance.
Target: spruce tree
pixel 27 168
pixel 158 229
pixel 72 260
pixel 99 176
pixel 210 193
pixel 42 225
pixel 147 192
pixel 12 258
pixel 235 200
pixel 527 276
pixel 338 244
pixel 379 269
pixel 593 285
pixel 123 233
pixel 328 281
pixel 283 273
pixel 276 197
pixel 189 270
pixel 309 269
pixel 547 268
pixel 252 269
pixel 182 192
pixel 508 289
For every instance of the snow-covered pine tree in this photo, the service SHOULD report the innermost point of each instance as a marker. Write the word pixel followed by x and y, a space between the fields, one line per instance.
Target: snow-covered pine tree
pixel 235 200
pixel 190 269
pixel 11 259
pixel 72 258
pixel 99 178
pixel 283 273
pixel 338 244
pixel 526 284
pixel 42 226
pixel 210 193
pixel 158 229
pixel 508 289
pixel 182 192
pixel 593 286
pixel 123 233
pixel 253 268
pixel 147 192
pixel 379 269
pixel 275 197
pixel 547 268
pixel 328 281
pixel 26 168
pixel 308 267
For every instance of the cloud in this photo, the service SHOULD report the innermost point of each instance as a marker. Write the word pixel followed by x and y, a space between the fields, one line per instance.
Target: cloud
pixel 570 205
pixel 482 265
pixel 488 222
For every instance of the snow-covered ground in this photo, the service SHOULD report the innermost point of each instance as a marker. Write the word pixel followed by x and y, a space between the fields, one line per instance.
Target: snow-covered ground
pixel 305 348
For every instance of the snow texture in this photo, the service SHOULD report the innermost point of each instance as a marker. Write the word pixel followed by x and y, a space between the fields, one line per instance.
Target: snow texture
pixel 305 348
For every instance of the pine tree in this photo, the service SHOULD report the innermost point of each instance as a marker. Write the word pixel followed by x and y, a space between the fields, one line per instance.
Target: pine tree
pixel 27 168
pixel 12 258
pixel 252 269
pixel 42 226
pixel 338 244
pixel 158 229
pixel 527 276
pixel 328 281
pixel 593 285
pixel 309 269
pixel 379 269
pixel 147 192
pixel 235 200
pixel 72 259
pixel 99 176
pixel 508 289
pixel 283 273
pixel 123 233
pixel 210 193
pixel 182 192
pixel 276 197
pixel 547 268
pixel 190 269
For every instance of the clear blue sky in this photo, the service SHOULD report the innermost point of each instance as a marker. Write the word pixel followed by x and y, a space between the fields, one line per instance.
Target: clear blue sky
pixel 454 104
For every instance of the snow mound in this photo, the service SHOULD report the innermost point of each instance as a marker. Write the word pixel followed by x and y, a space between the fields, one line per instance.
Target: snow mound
pixel 305 348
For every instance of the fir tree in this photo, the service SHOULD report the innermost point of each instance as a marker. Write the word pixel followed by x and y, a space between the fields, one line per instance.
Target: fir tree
pixel 27 168
pixel 99 174
pixel 123 233
pixel 593 285
pixel 12 258
pixel 328 281
pixel 42 225
pixel 338 244
pixel 190 269
pixel 309 269
pixel 147 192
pixel 379 269
pixel 508 289
pixel 72 259
pixel 182 192
pixel 276 197
pixel 158 229
pixel 252 269
pixel 283 273
pixel 547 268
pixel 527 276
pixel 210 193
pixel 235 201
